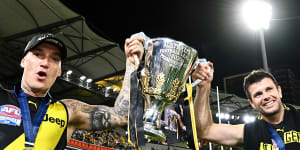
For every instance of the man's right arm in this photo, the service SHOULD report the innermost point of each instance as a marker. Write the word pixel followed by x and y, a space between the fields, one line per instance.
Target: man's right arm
pixel 231 135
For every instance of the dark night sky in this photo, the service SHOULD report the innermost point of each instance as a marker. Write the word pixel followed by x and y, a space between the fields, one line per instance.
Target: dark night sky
pixel 213 27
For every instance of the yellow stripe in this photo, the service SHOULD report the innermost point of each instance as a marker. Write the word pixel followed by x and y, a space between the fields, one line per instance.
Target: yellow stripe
pixel 190 100
pixel 31 102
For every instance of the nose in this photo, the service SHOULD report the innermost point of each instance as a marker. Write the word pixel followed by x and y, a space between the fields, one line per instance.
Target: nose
pixel 266 96
pixel 44 62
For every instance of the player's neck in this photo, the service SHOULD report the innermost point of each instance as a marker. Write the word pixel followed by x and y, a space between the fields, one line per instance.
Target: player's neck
pixel 276 118
pixel 32 92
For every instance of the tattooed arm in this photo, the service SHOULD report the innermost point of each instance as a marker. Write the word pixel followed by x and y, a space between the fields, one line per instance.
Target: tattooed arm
pixel 98 117
pixel 91 117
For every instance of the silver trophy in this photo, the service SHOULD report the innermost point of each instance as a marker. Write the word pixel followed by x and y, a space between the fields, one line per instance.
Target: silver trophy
pixel 168 64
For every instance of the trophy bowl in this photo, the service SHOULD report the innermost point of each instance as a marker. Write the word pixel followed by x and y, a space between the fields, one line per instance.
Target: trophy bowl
pixel 168 64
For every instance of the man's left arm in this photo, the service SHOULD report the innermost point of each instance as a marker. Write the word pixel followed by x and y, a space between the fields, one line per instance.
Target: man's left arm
pixel 91 117
pixel 98 117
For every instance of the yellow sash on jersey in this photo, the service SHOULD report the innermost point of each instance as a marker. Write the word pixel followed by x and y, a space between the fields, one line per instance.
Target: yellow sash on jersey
pixel 50 132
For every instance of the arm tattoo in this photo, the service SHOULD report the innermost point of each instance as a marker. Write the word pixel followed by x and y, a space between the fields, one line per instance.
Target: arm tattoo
pixel 122 102
pixel 73 106
pixel 100 116
pixel 100 119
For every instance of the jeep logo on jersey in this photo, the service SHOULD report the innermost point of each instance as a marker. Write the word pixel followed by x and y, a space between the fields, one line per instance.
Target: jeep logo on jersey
pixel 10 110
pixel 58 121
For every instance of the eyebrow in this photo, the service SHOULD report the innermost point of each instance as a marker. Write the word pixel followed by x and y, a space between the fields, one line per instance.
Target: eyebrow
pixel 57 53
pixel 257 93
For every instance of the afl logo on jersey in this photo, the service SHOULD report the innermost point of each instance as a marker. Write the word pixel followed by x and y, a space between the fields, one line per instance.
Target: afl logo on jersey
pixel 10 115
pixel 10 110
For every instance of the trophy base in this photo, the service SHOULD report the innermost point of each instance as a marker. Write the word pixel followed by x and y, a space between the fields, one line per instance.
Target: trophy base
pixel 152 133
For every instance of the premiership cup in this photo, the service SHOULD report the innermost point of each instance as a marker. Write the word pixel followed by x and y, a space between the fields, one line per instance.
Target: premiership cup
pixel 168 64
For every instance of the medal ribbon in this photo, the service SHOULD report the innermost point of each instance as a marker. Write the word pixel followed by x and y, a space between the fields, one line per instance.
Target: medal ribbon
pixel 136 112
pixel 276 137
pixel 31 128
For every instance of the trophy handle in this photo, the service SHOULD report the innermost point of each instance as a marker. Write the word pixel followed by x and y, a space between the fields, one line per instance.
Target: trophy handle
pixel 198 61
pixel 147 40
pixel 203 61
pixel 136 59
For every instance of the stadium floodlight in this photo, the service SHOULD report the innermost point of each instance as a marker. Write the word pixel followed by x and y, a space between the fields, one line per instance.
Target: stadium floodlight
pixel 257 14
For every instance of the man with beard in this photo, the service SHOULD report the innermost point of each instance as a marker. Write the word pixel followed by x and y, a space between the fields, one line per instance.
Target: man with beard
pixel 277 126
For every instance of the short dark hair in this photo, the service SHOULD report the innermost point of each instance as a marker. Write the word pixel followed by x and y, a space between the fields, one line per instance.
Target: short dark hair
pixel 254 77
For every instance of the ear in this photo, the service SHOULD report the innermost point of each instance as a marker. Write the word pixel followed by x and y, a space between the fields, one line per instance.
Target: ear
pixel 59 71
pixel 279 91
pixel 251 103
pixel 22 63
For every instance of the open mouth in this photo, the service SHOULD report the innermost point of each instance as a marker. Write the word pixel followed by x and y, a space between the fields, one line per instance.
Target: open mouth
pixel 42 75
pixel 268 103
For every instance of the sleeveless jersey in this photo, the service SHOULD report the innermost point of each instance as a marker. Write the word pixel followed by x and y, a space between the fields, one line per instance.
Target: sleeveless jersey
pixel 53 129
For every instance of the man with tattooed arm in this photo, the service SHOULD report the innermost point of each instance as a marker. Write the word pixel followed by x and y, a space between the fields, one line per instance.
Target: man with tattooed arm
pixel 31 119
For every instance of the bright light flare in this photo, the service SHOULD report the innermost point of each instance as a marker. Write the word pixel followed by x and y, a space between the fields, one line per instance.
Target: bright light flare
pixel 248 119
pixel 82 78
pixel 257 14
pixel 69 72
pixel 89 80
